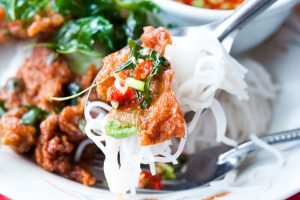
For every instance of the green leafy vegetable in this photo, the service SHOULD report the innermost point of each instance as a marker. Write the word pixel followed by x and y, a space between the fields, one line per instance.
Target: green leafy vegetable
pixel 2 109
pixel 81 35
pixel 23 9
pixel 85 8
pixel 72 89
pixel 119 130
pixel 104 183
pixel 138 5
pixel 182 159
pixel 135 84
pixel 137 52
pixel 33 116
pixel 137 15
pixel 81 125
pixel 13 84
pixel 167 171
pixel 124 19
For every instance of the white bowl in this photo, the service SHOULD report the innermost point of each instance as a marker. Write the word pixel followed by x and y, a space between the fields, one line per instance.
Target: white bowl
pixel 250 36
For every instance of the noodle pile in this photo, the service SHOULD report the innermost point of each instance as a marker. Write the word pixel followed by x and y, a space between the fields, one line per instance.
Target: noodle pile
pixel 203 70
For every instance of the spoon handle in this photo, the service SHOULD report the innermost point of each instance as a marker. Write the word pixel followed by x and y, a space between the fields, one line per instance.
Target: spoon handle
pixel 243 149
pixel 243 14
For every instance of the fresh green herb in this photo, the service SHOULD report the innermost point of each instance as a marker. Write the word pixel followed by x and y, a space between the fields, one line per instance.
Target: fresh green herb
pixel 81 125
pixel 13 84
pixel 137 52
pixel 58 108
pixel 182 159
pixel 135 84
pixel 72 89
pixel 33 116
pixel 81 35
pixel 123 20
pixel 134 24
pixel 85 8
pixel 2 109
pixel 78 94
pixel 115 104
pixel 138 5
pixel 167 171
pixel 23 9
pixel 137 15
pixel 104 183
pixel 119 130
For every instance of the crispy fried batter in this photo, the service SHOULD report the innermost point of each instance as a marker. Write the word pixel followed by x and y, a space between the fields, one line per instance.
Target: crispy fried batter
pixel 41 80
pixel 55 150
pixel 14 134
pixel 156 39
pixel 110 64
pixel 163 119
pixel 45 22
pixel 59 136
pixel 69 119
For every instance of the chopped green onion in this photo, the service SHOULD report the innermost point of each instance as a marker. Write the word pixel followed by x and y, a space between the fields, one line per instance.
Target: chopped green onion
pixel 135 84
pixel 167 171
pixel 115 104
pixel 119 130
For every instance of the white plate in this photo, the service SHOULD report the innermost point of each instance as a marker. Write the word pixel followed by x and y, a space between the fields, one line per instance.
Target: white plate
pixel 258 178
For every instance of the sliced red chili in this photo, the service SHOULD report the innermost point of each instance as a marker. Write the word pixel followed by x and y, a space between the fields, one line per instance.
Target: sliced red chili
pixel 148 181
pixel 143 69
pixel 115 95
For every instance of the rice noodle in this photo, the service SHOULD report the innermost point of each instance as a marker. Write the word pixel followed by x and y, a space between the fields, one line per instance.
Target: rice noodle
pixel 124 176
pixel 243 117
pixel 201 71
pixel 278 155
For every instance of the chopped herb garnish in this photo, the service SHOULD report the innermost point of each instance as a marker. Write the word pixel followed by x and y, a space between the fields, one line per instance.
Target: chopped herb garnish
pixel 81 35
pixel 73 88
pixel 33 116
pixel 104 183
pixel 13 84
pixel 182 159
pixel 135 84
pixel 119 130
pixel 2 109
pixel 22 9
pixel 81 125
pixel 166 171
pixel 137 52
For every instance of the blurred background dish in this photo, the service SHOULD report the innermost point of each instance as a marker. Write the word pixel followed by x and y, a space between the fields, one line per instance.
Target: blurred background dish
pixel 178 14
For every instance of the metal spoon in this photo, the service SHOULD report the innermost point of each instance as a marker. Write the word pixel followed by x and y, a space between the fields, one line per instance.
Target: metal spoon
pixel 209 164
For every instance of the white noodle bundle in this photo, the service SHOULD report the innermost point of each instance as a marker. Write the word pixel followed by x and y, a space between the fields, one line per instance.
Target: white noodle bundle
pixel 202 67
pixel 125 175
pixel 244 118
